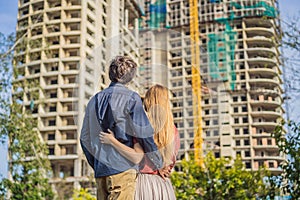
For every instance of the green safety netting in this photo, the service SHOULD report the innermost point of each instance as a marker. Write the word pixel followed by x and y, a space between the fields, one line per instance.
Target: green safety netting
pixel 158 13
pixel 221 46
pixel 221 50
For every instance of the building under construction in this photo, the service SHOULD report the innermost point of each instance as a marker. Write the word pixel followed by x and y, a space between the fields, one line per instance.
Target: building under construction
pixel 235 102
pixel 70 45
pixel 239 89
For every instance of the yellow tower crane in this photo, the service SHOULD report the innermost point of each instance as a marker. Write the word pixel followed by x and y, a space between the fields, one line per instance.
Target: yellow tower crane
pixel 196 82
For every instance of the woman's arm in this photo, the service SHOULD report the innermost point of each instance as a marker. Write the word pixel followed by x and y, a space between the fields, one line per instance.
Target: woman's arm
pixel 135 154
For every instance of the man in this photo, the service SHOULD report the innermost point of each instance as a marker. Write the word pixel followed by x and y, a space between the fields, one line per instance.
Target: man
pixel 120 110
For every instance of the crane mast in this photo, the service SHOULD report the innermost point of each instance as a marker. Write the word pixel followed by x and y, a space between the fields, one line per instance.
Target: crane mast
pixel 196 81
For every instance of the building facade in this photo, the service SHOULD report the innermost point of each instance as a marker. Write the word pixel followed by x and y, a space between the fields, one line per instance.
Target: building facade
pixel 69 44
pixel 240 74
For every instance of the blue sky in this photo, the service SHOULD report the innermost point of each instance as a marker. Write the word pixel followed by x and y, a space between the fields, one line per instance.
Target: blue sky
pixel 8 12
pixel 8 15
pixel 8 19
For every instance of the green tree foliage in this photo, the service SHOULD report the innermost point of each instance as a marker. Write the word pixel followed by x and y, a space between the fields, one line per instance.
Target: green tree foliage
pixel 290 53
pixel 289 179
pixel 291 33
pixel 6 43
pixel 28 166
pixel 82 194
pixel 221 178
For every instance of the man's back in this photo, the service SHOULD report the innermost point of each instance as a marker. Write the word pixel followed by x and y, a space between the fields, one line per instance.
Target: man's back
pixel 120 110
pixel 115 109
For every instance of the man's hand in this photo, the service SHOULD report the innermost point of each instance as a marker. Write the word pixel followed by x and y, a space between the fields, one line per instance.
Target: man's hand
pixel 107 138
pixel 165 172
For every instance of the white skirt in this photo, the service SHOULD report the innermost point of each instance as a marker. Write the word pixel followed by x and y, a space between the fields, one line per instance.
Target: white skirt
pixel 153 187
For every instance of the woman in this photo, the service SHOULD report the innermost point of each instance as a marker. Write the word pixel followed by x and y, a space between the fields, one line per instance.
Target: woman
pixel 153 184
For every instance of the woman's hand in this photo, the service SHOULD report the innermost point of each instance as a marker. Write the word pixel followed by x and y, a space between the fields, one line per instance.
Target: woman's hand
pixel 107 138
pixel 165 172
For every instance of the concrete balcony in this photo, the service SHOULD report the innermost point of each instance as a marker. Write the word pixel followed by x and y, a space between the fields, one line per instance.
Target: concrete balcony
pixel 261 90
pixel 71 32
pixel 257 50
pixel 68 113
pixel 51 60
pixel 47 114
pixel 54 7
pixel 71 46
pixel 66 142
pixel 70 72
pixel 258 38
pixel 259 31
pixel 266 124
pixel 33 76
pixel 263 71
pixel 52 34
pixel 261 60
pixel 68 99
pixel 52 21
pixel 265 146
pixel 266 114
pixel 71 7
pixel 66 127
pixel 72 20
pixel 259 42
pixel 71 59
pixel 269 103
pixel 49 87
pixel 253 22
pixel 49 74
pixel 47 128
pixel 259 158
pixel 62 157
pixel 69 85
pixel 254 81
pixel 261 135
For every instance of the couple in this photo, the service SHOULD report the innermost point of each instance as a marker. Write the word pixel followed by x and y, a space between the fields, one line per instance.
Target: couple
pixel 134 152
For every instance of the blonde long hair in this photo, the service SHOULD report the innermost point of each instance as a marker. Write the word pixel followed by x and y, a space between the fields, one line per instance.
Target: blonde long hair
pixel 157 105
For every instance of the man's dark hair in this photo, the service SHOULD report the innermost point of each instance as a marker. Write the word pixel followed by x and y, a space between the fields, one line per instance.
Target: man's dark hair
pixel 122 69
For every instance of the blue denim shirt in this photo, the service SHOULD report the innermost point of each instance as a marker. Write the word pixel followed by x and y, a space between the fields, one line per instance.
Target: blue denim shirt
pixel 119 109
